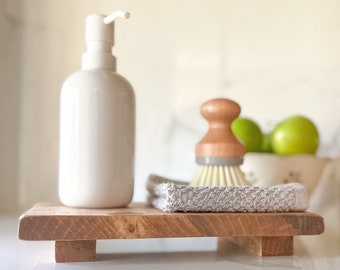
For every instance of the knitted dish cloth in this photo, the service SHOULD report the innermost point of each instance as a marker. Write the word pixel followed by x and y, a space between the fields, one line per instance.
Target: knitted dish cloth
pixel 172 196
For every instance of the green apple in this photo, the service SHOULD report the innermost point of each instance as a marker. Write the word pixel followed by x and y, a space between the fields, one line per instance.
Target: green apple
pixel 249 133
pixel 266 146
pixel 295 135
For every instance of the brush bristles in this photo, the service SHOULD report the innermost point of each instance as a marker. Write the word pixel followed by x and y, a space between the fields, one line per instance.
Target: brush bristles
pixel 219 176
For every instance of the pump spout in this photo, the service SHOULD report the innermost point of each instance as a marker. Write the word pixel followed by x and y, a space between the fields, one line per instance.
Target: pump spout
pixel 117 14
pixel 99 37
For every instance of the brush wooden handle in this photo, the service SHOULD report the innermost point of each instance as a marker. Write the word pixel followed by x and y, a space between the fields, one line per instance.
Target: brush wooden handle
pixel 220 141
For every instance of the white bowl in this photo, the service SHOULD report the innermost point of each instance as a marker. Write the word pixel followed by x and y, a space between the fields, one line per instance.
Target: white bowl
pixel 265 169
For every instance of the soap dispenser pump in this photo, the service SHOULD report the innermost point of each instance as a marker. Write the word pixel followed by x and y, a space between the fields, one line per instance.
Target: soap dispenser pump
pixel 97 125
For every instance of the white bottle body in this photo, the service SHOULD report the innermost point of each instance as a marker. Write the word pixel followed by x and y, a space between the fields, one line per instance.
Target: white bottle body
pixel 97 140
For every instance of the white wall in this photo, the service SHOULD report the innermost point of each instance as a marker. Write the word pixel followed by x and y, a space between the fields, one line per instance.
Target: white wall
pixel 276 58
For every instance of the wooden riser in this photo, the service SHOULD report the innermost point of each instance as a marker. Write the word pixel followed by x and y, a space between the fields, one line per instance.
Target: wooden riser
pixel 76 230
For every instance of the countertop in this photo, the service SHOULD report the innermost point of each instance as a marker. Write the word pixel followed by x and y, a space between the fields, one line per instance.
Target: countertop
pixel 311 252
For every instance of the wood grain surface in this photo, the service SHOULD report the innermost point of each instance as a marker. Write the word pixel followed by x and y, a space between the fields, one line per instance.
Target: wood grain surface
pixel 57 222
pixel 76 230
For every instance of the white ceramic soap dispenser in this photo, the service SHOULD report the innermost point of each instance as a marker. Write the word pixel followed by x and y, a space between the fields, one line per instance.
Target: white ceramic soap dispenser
pixel 97 126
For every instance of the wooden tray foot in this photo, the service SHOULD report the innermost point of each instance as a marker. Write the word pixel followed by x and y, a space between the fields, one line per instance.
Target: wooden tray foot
pixel 75 251
pixel 263 245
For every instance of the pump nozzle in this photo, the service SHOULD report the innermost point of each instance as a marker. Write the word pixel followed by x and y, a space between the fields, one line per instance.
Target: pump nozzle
pixel 117 14
pixel 99 37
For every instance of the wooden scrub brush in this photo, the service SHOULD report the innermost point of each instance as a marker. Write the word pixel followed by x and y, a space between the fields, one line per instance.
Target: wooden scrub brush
pixel 219 154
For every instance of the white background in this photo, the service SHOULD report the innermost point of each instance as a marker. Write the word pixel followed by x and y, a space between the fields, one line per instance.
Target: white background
pixel 276 58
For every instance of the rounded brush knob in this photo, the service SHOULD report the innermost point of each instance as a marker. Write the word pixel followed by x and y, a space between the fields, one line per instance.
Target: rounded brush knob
pixel 220 146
